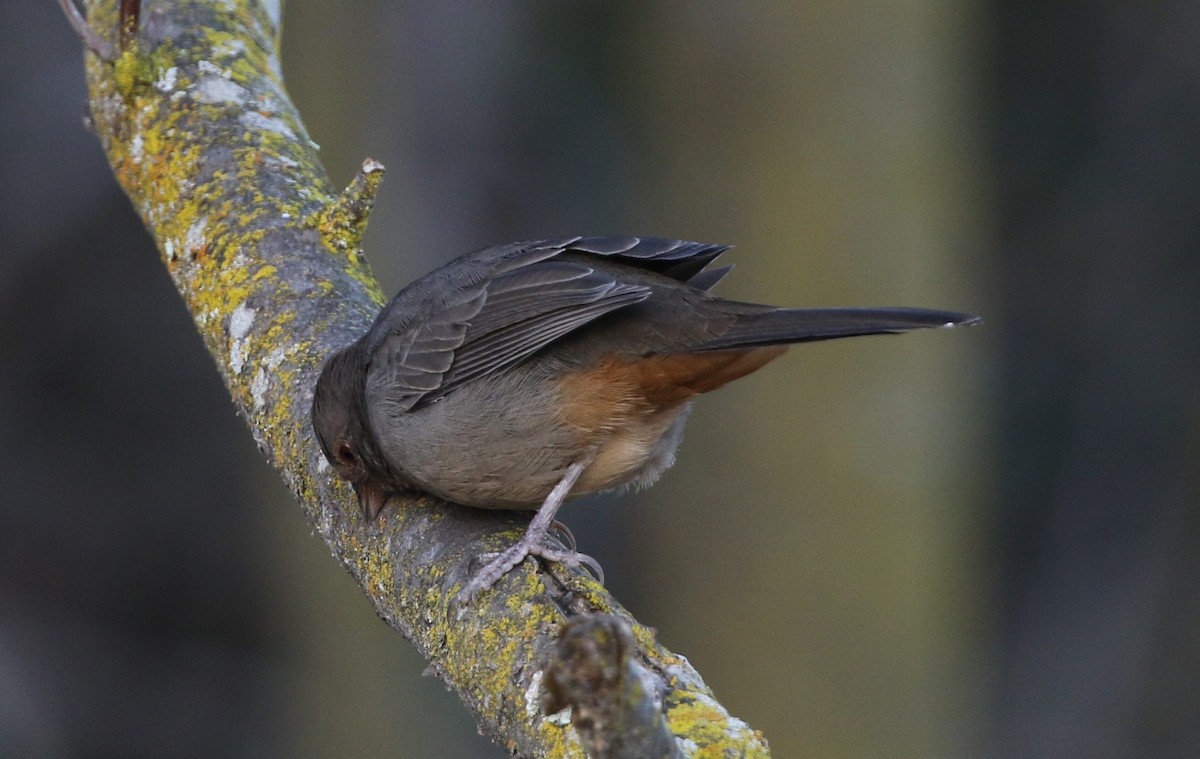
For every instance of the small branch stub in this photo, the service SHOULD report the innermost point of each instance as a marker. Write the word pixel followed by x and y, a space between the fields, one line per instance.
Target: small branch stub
pixel 595 675
pixel 343 222
pixel 91 40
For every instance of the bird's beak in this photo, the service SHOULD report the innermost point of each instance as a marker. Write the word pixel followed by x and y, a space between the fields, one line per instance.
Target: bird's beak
pixel 371 497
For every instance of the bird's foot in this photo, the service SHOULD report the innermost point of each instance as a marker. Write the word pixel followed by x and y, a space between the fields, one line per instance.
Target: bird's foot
pixel 564 534
pixel 532 543
pixel 502 563
pixel 572 558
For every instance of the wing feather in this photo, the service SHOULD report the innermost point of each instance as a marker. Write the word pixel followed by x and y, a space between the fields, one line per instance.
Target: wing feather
pixel 495 308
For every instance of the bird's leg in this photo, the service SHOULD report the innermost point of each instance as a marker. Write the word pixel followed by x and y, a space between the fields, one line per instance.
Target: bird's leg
pixel 532 542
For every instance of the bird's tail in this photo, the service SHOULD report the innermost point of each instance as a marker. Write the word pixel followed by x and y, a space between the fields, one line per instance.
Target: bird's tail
pixel 782 326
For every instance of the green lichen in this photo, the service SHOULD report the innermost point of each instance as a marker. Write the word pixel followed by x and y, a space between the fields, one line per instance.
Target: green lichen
pixel 132 71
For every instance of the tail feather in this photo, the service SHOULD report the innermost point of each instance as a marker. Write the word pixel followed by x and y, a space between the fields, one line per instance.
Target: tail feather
pixel 782 326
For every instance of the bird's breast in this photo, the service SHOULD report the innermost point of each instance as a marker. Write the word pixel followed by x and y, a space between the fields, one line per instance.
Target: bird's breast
pixel 630 434
pixel 636 453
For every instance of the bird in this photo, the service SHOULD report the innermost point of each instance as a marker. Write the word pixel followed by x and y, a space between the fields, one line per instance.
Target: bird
pixel 523 375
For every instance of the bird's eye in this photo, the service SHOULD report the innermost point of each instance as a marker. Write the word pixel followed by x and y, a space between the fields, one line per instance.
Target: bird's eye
pixel 346 455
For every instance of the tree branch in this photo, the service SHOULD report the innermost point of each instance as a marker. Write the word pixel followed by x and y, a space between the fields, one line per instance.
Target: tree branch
pixel 267 256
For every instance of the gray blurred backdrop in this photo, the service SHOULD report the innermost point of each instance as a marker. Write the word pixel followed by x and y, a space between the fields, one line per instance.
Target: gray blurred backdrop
pixel 974 543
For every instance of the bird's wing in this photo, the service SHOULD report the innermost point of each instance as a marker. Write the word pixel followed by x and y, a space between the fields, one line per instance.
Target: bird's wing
pixel 526 300
pixel 678 259
pixel 527 309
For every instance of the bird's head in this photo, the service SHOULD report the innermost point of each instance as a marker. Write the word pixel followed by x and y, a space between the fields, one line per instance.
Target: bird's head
pixel 338 414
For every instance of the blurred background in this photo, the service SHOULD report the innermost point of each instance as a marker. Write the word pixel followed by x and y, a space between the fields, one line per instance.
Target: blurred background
pixel 980 543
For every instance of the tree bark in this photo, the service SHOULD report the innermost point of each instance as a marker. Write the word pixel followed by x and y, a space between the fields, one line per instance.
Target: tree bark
pixel 200 133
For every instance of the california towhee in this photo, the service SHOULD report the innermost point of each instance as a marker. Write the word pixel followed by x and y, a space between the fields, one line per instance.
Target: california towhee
pixel 521 375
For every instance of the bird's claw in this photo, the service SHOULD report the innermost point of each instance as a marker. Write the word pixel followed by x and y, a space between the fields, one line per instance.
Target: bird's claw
pixel 503 562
